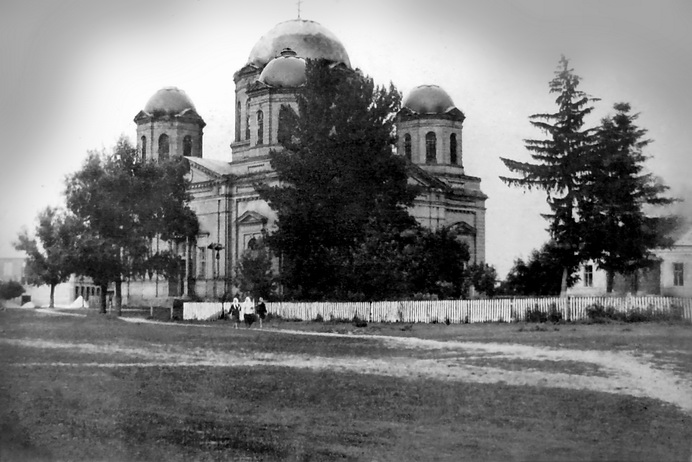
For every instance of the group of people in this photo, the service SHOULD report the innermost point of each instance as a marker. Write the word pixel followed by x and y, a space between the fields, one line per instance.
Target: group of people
pixel 246 311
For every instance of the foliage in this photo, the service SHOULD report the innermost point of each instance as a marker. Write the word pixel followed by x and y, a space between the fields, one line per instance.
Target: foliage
pixel 599 314
pixel 619 233
pixel 539 275
pixel 10 289
pixel 560 163
pixel 342 190
pixel 50 260
pixel 122 204
pixel 483 277
pixel 254 274
pixel 436 261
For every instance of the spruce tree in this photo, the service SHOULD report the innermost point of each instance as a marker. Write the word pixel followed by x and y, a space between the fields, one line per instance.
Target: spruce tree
pixel 619 235
pixel 560 164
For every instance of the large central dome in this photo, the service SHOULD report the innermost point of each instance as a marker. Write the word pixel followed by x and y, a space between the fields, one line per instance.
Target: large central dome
pixel 308 39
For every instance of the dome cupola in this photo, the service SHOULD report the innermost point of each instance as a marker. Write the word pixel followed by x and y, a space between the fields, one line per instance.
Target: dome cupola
pixel 169 100
pixel 286 70
pixel 428 99
pixel 308 39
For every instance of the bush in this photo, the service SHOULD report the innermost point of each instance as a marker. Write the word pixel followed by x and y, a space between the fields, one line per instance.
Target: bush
pixel 536 315
pixel 600 314
pixel 554 315
pixel 318 318
pixel 359 322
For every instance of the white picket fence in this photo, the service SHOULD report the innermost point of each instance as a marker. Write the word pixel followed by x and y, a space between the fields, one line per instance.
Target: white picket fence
pixel 206 311
pixel 454 311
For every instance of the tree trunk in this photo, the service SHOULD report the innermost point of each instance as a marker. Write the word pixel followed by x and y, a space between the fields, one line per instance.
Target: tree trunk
pixel 118 302
pixel 563 283
pixel 104 297
pixel 52 296
pixel 610 277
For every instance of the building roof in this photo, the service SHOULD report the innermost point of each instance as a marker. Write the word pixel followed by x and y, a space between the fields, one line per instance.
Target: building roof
pixel 219 167
pixel 429 99
pixel 169 100
pixel 286 70
pixel 308 39
pixel 686 238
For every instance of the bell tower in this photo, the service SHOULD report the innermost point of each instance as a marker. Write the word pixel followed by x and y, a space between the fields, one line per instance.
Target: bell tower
pixel 169 126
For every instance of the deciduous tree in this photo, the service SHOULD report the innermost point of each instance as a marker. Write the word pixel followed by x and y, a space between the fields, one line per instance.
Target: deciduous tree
pixel 339 180
pixel 50 260
pixel 10 290
pixel 122 204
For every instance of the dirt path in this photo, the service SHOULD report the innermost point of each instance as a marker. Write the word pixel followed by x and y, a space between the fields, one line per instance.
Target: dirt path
pixel 612 372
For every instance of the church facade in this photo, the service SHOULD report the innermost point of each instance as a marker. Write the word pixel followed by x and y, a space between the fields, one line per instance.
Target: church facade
pixel 230 211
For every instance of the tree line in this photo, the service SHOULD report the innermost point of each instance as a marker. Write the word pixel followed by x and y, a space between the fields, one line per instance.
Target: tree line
pixel 343 230
pixel 599 193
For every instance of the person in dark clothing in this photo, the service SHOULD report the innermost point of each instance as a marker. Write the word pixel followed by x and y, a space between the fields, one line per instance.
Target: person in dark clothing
pixel 261 310
pixel 234 311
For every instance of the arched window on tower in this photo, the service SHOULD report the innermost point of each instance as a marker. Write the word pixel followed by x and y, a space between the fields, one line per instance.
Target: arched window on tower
pixel 453 148
pixel 187 145
pixel 407 146
pixel 247 120
pixel 164 147
pixel 287 124
pixel 260 127
pixel 430 148
pixel 237 121
pixel 144 148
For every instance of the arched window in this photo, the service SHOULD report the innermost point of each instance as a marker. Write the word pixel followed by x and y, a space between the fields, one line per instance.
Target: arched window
pixel 187 145
pixel 407 146
pixel 237 121
pixel 453 148
pixel 144 148
pixel 287 124
pixel 260 127
pixel 430 148
pixel 164 147
pixel 247 120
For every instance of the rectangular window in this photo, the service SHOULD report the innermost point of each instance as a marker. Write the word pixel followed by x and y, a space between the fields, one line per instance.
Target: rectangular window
pixel 678 274
pixel 202 262
pixel 588 275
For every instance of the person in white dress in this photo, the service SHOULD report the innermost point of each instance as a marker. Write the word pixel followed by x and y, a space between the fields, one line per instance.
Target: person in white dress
pixel 248 309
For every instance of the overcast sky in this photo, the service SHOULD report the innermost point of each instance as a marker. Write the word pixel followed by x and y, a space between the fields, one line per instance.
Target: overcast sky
pixel 75 73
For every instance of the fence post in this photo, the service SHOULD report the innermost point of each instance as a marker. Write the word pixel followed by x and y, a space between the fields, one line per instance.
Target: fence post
pixel 151 311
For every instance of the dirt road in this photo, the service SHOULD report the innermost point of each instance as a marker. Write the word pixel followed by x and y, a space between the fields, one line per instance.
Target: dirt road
pixel 513 364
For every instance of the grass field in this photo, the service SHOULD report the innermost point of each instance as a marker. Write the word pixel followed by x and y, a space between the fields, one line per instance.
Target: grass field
pixel 97 388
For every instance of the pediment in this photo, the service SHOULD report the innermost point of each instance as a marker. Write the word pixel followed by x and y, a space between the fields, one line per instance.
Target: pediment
pixel 202 170
pixel 464 228
pixel 425 179
pixel 252 218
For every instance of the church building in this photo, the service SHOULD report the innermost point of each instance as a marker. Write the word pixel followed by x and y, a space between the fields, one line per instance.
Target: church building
pixel 232 215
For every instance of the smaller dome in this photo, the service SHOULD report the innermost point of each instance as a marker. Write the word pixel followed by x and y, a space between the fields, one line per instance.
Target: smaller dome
pixel 429 99
pixel 286 70
pixel 169 100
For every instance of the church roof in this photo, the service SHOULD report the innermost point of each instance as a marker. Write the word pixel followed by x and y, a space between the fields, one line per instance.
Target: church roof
pixel 428 99
pixel 286 70
pixel 169 100
pixel 218 167
pixel 308 39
